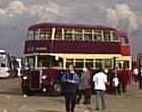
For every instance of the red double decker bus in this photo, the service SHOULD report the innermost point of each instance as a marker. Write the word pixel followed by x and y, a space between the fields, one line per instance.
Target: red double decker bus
pixel 51 47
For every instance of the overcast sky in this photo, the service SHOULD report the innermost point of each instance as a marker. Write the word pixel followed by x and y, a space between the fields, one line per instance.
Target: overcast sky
pixel 17 15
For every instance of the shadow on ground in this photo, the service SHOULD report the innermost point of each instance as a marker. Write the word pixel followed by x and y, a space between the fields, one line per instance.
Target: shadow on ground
pixel 48 111
pixel 11 91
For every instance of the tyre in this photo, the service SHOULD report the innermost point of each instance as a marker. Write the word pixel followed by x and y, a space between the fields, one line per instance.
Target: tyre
pixel 57 89
pixel 27 91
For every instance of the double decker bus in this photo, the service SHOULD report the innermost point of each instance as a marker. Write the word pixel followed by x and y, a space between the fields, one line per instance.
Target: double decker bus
pixel 52 47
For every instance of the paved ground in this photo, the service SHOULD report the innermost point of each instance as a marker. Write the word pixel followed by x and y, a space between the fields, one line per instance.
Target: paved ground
pixel 12 100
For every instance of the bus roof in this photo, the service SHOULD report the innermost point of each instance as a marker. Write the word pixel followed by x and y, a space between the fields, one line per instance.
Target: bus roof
pixel 46 25
pixel 2 51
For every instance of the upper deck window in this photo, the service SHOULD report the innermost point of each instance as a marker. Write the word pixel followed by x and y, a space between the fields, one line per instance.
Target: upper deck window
pixel 37 34
pixel 30 35
pixel 58 34
pixel 97 35
pixel 42 34
pixel 74 34
pixel 107 36
pixel 68 34
pixel 115 36
pixel 88 35
pixel 78 34
pixel 124 40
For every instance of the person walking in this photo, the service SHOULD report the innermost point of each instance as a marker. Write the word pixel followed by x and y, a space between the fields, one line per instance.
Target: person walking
pixel 115 82
pixel 100 81
pixel 85 86
pixel 70 83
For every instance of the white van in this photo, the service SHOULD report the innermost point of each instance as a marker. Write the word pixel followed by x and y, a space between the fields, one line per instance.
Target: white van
pixel 5 64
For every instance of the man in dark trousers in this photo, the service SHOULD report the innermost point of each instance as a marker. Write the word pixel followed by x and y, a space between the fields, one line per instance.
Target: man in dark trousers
pixel 85 86
pixel 70 83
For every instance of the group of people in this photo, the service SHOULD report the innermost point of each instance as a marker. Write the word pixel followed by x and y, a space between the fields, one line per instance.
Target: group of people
pixel 75 85
pixel 118 81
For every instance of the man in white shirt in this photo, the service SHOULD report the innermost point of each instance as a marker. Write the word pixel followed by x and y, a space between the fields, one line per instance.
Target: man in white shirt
pixel 116 84
pixel 100 81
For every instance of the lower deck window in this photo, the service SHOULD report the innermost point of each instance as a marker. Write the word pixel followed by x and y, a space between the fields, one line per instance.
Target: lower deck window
pixel 89 63
pixel 108 63
pixel 123 64
pixel 98 63
pixel 30 61
pixel 126 64
pixel 79 63
pixel 49 61
pixel 69 62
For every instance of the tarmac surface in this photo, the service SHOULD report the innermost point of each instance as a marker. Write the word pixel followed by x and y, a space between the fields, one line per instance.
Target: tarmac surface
pixel 12 100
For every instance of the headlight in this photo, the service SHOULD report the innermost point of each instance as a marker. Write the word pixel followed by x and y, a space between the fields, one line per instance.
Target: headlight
pixel 44 77
pixel 136 71
pixel 25 77
pixel 44 89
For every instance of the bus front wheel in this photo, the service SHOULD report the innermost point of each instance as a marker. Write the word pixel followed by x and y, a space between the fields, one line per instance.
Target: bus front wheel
pixel 57 89
pixel 26 91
